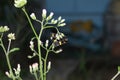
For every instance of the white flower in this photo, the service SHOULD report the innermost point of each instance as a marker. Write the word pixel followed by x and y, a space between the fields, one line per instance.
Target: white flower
pixel 11 36
pixel 61 35
pixel 50 16
pixel 35 67
pixel 52 21
pixel 63 20
pixel 44 13
pixel 58 51
pixel 31 45
pixel 20 3
pixel 18 68
pixel 49 65
pixel 30 67
pixel 46 44
pixel 17 71
pixel 8 74
pixel 59 18
pixel 33 16
pixel 4 28
pixel 57 37
pixel 40 42
pixel 55 22
pixel 63 24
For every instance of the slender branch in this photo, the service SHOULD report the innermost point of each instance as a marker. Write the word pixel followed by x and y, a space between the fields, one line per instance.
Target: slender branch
pixel 38 38
pixel 115 75
pixel 8 60
pixel 3 47
pixel 45 63
pixel 40 57
pixel 30 22
pixel 7 57
pixel 8 49
pixel 49 27
pixel 36 77
pixel 38 21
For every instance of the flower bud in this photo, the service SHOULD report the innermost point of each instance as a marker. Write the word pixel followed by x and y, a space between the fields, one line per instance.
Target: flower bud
pixel 11 36
pixel 20 3
pixel 63 24
pixel 17 71
pixel 62 20
pixel 61 35
pixel 33 16
pixel 44 13
pixel 18 68
pixel 30 67
pixel 50 16
pixel 58 51
pixel 46 44
pixel 52 21
pixel 55 22
pixel 4 29
pixel 49 65
pixel 32 45
pixel 35 67
pixel 40 42
pixel 8 74
pixel 57 37
pixel 59 18
pixel 29 57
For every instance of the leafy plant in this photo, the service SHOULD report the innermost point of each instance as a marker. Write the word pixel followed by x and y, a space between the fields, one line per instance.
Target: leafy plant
pixel 38 70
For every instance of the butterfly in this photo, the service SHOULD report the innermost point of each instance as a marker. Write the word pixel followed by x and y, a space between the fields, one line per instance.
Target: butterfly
pixel 58 39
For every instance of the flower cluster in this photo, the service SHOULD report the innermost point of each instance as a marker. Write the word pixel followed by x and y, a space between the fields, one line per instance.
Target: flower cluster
pixel 58 39
pixel 59 21
pixel 16 71
pixel 20 3
pixel 31 45
pixel 11 36
pixel 33 16
pixel 40 70
pixel 4 28
pixel 33 68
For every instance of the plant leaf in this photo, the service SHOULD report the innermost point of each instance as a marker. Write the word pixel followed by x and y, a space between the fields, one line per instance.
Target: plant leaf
pixel 118 68
pixel 14 49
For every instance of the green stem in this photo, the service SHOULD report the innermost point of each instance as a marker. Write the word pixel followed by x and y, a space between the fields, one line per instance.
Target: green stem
pixel 39 53
pixel 3 47
pixel 44 70
pixel 30 22
pixel 20 78
pixel 36 77
pixel 49 27
pixel 9 65
pixel 45 63
pixel 115 75
pixel 38 38
pixel 8 60
pixel 7 57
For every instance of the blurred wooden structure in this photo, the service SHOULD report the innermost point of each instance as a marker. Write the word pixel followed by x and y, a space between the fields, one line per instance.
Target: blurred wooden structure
pixel 112 25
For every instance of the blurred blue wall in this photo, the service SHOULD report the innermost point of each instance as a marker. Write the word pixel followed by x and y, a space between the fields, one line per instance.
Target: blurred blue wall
pixel 79 9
